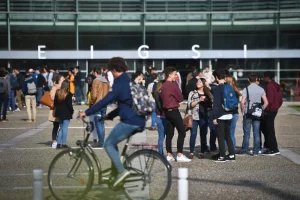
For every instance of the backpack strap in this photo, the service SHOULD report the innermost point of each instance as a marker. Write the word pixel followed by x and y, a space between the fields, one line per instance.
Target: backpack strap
pixel 248 99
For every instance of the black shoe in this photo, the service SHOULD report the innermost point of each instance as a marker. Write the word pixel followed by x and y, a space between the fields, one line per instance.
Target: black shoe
pixel 64 146
pixel 230 158
pixel 220 159
pixel 95 140
pixel 58 146
pixel 271 153
pixel 214 157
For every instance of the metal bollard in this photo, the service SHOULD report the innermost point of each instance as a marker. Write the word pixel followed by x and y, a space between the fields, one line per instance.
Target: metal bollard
pixel 183 185
pixel 37 190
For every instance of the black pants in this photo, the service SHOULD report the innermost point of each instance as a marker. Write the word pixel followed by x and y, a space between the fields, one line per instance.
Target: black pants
pixel 269 130
pixel 55 130
pixel 3 105
pixel 174 119
pixel 223 134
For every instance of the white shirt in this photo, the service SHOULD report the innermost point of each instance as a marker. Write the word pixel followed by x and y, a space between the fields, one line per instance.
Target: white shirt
pixel 110 78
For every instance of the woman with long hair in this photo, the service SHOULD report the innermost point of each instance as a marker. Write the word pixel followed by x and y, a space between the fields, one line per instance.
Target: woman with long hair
pixel 160 117
pixel 64 111
pixel 57 84
pixel 199 103
pixel 235 115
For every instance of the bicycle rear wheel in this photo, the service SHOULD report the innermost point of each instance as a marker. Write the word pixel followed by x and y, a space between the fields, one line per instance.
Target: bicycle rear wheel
pixel 150 177
pixel 70 175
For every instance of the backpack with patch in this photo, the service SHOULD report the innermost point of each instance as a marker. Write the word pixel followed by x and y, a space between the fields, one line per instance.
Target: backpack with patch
pixel 142 104
pixel 3 86
pixel 230 101
pixel 31 87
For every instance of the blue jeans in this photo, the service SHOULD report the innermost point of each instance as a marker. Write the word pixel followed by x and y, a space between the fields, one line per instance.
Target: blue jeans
pixel 234 120
pixel 99 125
pixel 153 117
pixel 161 122
pixel 63 131
pixel 120 132
pixel 77 94
pixel 247 122
pixel 213 137
pixel 39 95
pixel 12 100
pixel 203 125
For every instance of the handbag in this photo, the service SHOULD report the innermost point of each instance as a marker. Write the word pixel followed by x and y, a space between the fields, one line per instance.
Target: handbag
pixel 255 110
pixel 46 100
pixel 187 120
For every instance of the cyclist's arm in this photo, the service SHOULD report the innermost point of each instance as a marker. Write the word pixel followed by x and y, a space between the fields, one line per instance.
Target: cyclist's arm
pixel 110 97
pixel 113 113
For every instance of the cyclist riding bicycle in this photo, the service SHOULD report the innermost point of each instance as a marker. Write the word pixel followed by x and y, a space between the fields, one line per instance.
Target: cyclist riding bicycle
pixel 129 120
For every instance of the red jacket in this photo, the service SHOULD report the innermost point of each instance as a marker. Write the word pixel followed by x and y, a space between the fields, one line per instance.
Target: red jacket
pixel 274 96
pixel 171 95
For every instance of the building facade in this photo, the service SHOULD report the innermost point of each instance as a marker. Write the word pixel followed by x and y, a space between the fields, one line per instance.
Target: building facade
pixel 242 35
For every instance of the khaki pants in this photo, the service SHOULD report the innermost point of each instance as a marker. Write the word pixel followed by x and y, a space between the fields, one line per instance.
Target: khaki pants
pixel 30 100
pixel 18 99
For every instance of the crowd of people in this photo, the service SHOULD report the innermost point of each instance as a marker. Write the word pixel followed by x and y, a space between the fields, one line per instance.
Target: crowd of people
pixel 203 89
pixel 206 91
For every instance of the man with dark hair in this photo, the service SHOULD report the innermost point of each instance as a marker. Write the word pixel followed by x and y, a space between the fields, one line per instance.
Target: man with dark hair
pixel 222 119
pixel 100 88
pixel 275 101
pixel 256 94
pixel 171 97
pixel 20 80
pixel 40 84
pixel 78 91
pixel 129 119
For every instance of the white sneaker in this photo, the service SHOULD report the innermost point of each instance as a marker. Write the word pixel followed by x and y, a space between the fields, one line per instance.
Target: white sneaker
pixel 17 110
pixel 183 158
pixel 170 158
pixel 54 145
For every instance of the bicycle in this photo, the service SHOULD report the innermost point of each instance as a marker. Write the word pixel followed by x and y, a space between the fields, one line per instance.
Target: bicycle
pixel 77 179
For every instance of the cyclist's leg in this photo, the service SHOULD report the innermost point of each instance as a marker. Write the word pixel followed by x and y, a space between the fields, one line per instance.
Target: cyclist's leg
pixel 120 132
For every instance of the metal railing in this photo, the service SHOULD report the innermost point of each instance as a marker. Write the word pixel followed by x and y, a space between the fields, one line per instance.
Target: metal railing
pixel 151 5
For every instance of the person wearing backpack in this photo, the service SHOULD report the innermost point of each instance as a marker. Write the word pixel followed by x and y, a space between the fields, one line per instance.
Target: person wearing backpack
pixel 130 120
pixel 222 115
pixel 4 94
pixel 29 90
pixel 274 97
pixel 251 95
pixel 40 84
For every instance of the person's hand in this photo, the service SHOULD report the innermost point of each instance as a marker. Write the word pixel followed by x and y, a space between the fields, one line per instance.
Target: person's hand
pixel 73 98
pixel 82 115
pixel 202 98
pixel 215 122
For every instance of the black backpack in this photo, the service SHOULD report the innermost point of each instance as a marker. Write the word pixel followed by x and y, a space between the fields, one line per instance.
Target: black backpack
pixel 3 86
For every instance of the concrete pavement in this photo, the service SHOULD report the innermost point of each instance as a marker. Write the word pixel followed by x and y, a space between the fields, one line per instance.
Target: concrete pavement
pixel 26 146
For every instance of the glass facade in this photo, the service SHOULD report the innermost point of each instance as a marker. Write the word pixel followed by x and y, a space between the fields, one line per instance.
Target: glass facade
pixel 270 29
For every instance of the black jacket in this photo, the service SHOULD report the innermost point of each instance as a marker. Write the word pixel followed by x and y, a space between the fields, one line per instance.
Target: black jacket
pixel 41 81
pixel 64 110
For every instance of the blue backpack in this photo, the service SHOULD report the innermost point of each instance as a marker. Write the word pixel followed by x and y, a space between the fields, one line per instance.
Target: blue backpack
pixel 230 100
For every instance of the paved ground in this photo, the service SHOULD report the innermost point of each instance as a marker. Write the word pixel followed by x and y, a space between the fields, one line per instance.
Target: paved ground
pixel 26 146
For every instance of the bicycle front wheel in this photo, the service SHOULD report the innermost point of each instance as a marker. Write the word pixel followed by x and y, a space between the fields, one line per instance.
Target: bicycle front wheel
pixel 150 176
pixel 70 175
